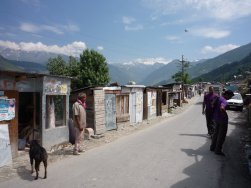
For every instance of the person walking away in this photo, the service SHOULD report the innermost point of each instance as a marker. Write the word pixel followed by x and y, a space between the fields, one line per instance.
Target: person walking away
pixel 221 119
pixel 79 121
pixel 207 110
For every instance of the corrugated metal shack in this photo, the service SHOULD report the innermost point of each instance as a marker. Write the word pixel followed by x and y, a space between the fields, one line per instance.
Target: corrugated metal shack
pixel 122 108
pixel 163 100
pixel 41 108
pixel 135 101
pixel 150 103
pixel 95 110
pixel 121 103
pixel 174 94
pixel 111 106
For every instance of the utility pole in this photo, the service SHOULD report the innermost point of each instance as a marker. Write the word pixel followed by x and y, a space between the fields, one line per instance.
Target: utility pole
pixel 182 67
pixel 182 76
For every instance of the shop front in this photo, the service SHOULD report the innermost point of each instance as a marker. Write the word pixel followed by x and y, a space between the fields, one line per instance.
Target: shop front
pixel 39 106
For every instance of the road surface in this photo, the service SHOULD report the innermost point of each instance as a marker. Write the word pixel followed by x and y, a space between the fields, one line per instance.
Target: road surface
pixel 173 153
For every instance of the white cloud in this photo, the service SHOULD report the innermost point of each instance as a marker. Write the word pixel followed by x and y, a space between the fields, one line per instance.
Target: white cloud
pixel 58 29
pixel 176 22
pixel 128 20
pixel 70 27
pixel 164 6
pixel 223 9
pixel 150 61
pixel 32 28
pixel 130 24
pixel 133 28
pixel 172 38
pixel 100 48
pixel 52 29
pixel 7 34
pixel 29 27
pixel 9 44
pixel 210 32
pixel 73 49
pixel 219 49
pixel 218 9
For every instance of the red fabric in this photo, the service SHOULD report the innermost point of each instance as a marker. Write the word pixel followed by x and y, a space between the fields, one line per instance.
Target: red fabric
pixel 82 104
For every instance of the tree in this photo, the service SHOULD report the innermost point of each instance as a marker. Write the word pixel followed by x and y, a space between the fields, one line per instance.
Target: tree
pixel 93 69
pixel 74 72
pixel 57 66
pixel 182 76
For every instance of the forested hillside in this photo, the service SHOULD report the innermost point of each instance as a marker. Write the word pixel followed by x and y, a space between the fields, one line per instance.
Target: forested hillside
pixel 228 72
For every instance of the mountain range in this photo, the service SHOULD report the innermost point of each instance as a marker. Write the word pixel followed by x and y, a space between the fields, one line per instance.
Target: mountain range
pixel 21 66
pixel 32 56
pixel 231 56
pixel 134 71
pixel 146 74
pixel 228 72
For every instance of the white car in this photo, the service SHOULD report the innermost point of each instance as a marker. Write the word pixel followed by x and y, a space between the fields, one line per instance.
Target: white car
pixel 236 102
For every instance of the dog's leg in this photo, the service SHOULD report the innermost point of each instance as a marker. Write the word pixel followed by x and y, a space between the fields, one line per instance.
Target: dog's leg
pixel 32 168
pixel 37 163
pixel 45 169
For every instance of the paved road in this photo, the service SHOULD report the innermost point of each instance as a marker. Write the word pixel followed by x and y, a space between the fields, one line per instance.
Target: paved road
pixel 171 154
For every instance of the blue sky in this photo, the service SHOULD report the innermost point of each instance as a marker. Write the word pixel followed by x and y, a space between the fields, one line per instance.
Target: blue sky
pixel 127 30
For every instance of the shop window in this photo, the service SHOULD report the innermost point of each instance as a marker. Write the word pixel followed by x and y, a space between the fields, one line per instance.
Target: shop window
pixel 56 111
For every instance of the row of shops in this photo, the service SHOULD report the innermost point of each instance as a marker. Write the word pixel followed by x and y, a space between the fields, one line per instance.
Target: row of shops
pixel 38 106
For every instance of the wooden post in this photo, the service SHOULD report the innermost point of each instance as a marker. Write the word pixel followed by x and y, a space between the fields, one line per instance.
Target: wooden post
pixel 34 115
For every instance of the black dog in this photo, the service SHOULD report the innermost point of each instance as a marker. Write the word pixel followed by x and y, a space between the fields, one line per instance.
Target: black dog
pixel 39 154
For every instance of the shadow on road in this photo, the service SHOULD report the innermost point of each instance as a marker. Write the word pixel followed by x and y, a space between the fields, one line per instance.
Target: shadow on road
pixel 232 169
pixel 199 103
pixel 200 135
pixel 24 173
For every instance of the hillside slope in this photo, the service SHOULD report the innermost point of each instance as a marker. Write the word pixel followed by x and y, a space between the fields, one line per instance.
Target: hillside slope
pixel 227 72
pixel 164 74
pixel 7 66
pixel 231 56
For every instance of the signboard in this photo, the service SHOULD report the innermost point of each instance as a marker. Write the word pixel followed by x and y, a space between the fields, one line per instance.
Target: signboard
pixel 7 109
pixel 54 86
pixel 5 148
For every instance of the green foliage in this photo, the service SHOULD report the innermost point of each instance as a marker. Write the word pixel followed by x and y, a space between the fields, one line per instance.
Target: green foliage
pixel 57 66
pixel 73 70
pixel 93 69
pixel 227 72
pixel 182 76
pixel 179 77
pixel 234 55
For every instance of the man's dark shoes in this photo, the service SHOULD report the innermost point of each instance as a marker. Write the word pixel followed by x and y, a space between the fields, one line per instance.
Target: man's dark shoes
pixel 220 153
pixel 211 148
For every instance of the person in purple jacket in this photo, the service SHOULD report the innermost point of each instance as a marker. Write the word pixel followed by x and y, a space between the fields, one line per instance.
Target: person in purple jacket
pixel 221 120
pixel 208 110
